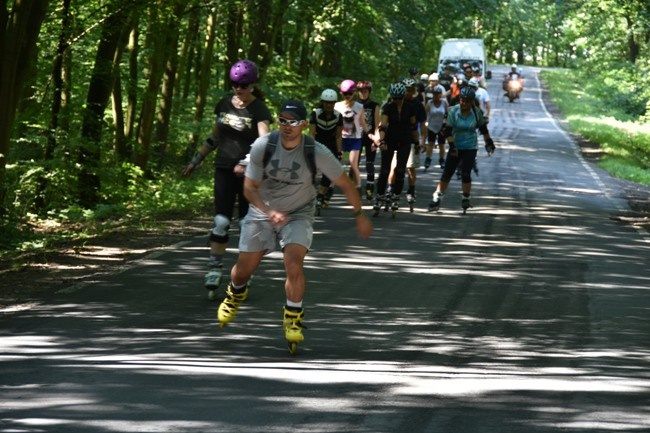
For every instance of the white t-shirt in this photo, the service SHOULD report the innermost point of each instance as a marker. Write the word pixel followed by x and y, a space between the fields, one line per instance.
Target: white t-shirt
pixel 351 118
pixel 483 98
pixel 436 115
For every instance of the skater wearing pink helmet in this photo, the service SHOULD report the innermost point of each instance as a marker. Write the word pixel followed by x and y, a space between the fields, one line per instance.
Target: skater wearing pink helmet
pixel 354 127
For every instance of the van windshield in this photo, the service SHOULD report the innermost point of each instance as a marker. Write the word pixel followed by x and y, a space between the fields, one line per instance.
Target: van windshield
pixel 455 65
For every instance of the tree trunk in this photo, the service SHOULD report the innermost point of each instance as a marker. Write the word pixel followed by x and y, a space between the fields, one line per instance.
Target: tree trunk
pixel 234 30
pixel 204 81
pixel 18 37
pixel 120 141
pixel 188 50
pixel 260 31
pixel 99 90
pixel 168 85
pixel 132 82
pixel 156 41
pixel 633 47
pixel 57 100
pixel 305 50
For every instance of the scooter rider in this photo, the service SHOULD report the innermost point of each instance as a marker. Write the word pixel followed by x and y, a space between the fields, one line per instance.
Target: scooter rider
pixel 514 74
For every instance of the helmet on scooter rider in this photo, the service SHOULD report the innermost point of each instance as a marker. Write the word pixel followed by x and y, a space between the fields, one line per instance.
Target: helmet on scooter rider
pixel 348 86
pixel 473 83
pixel 461 81
pixel 244 71
pixel 467 93
pixel 413 71
pixel 513 66
pixel 329 95
pixel 397 90
pixel 424 77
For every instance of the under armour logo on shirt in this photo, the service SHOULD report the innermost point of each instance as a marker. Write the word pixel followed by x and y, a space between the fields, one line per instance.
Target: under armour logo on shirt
pixel 293 171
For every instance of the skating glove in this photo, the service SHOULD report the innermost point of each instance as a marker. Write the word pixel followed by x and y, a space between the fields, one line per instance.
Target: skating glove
pixel 489 146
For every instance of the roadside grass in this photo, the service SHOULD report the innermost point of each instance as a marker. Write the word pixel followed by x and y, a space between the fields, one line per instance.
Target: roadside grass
pixel 623 140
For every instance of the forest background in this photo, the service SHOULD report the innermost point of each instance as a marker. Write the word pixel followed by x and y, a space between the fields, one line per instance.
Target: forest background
pixel 104 101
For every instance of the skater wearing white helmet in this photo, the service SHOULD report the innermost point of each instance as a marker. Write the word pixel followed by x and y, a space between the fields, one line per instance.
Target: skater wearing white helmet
pixel 326 126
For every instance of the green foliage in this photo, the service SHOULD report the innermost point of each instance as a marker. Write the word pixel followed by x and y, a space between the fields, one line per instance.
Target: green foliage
pixel 624 138
pixel 131 199
pixel 318 44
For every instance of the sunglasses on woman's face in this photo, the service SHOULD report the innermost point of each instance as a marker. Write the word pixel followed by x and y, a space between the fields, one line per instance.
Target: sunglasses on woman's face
pixel 348 93
pixel 290 122
pixel 243 86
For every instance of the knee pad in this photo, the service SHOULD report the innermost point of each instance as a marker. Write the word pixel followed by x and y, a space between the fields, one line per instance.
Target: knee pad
pixel 466 178
pixel 221 225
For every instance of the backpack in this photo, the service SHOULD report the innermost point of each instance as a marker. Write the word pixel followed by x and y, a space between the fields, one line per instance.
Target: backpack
pixel 274 138
pixel 474 112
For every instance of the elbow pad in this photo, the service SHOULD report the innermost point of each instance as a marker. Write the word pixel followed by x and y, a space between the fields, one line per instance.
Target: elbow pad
pixel 483 129
pixel 446 131
pixel 212 142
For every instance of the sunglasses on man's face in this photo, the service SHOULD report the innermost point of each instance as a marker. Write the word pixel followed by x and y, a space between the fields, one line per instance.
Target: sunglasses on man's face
pixel 290 122
pixel 240 85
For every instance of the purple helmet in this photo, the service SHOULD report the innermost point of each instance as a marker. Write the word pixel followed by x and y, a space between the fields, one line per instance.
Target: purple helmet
pixel 348 86
pixel 244 71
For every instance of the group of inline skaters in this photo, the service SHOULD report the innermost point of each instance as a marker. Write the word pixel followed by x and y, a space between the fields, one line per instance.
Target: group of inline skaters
pixel 271 175
pixel 419 115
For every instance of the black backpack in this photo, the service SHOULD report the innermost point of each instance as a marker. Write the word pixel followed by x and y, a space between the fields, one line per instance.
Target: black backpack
pixel 274 138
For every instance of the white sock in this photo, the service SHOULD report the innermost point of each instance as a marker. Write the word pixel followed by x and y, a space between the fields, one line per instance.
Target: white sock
pixel 294 304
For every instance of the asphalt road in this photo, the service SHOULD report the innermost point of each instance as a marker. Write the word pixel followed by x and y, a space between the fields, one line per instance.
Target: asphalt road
pixel 529 314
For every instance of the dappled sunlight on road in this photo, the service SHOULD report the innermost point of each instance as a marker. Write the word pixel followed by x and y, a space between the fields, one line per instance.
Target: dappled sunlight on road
pixel 444 360
pixel 530 313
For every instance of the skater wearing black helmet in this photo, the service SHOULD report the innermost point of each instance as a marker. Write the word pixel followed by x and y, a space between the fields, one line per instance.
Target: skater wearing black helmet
pixel 281 194
pixel 397 132
pixel 241 117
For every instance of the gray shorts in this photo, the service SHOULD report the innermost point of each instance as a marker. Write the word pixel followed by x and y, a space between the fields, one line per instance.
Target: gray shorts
pixel 260 235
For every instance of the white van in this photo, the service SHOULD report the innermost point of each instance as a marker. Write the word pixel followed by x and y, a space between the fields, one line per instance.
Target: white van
pixel 455 52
